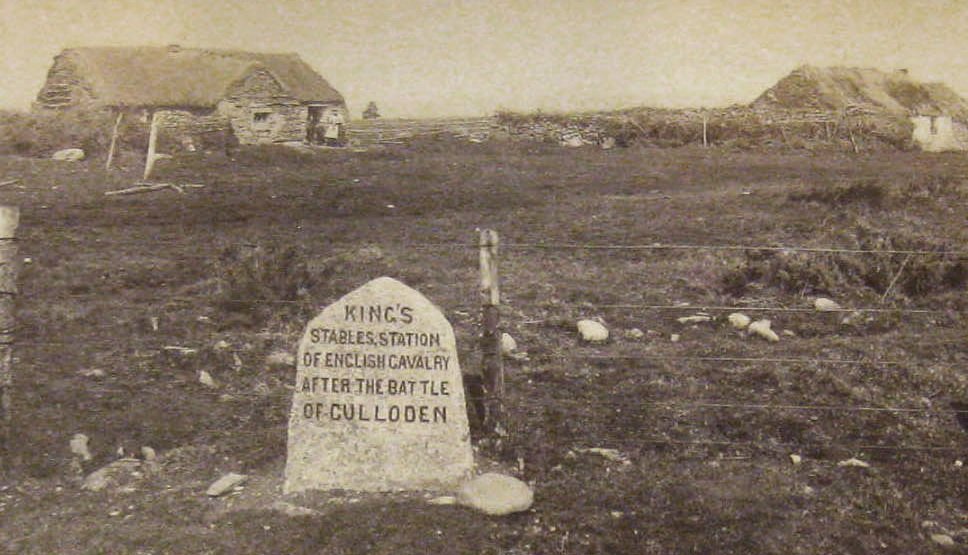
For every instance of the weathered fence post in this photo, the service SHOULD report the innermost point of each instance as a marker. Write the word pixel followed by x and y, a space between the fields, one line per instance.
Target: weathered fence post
pixel 493 364
pixel 152 140
pixel 9 218
pixel 114 140
pixel 705 124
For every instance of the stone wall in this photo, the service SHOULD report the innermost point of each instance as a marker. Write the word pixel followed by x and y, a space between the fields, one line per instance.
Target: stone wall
pixel 939 133
pixel 260 111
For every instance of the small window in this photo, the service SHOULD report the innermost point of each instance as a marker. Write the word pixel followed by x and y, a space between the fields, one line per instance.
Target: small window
pixel 260 117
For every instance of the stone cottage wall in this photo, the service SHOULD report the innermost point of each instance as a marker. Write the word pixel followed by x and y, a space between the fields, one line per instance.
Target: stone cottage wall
pixel 260 111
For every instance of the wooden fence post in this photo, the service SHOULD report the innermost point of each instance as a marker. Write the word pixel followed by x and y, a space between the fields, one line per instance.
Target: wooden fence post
pixel 705 124
pixel 114 140
pixel 492 362
pixel 9 219
pixel 152 140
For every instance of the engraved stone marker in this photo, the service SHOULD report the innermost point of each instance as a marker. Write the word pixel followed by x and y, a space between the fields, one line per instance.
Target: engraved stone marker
pixel 379 401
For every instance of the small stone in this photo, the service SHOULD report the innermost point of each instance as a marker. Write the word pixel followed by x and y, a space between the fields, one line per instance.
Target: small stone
pixel 289 509
pixel 496 494
pixel 613 455
pixel 739 320
pixel 617 514
pixel 148 454
pixel 92 373
pixel 221 345
pixel 823 304
pixel 225 484
pixel 634 333
pixel 696 319
pixel 789 333
pixel 959 463
pixel 508 344
pixel 854 462
pixel 592 331
pixel 79 447
pixel 206 379
pixel 68 155
pixel 796 459
pixel 443 500
pixel 943 539
pixel 762 329
pixel 674 338
pixel 281 359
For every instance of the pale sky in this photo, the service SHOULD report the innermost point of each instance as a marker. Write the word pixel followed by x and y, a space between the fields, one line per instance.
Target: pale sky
pixel 419 58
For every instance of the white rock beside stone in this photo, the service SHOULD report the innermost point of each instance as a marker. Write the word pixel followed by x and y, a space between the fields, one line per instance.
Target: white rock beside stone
pixel 592 331
pixel 225 484
pixel 68 155
pixel 739 320
pixel 695 319
pixel 508 344
pixel 496 494
pixel 762 329
pixel 823 304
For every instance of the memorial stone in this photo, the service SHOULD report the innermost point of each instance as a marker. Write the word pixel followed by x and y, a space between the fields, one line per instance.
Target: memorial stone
pixel 378 403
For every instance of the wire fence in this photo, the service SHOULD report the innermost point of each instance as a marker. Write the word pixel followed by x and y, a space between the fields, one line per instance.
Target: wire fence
pixel 282 397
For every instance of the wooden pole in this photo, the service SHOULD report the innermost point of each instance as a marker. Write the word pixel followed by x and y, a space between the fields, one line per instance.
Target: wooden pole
pixel 9 219
pixel 152 140
pixel 492 362
pixel 705 121
pixel 114 140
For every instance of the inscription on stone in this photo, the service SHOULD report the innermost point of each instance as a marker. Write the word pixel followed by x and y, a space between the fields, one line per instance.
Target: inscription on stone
pixel 379 401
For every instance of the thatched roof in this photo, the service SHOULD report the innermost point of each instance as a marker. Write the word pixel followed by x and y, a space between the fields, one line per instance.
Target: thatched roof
pixel 870 90
pixel 187 77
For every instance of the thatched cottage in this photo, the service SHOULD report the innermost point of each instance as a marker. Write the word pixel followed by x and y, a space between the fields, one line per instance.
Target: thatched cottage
pixel 264 98
pixel 934 117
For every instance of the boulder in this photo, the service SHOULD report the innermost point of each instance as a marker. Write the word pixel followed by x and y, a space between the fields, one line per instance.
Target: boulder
pixel 496 494
pixel 68 155
pixel 118 473
pixel 592 331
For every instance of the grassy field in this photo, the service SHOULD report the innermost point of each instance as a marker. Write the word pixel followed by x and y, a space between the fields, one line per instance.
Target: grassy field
pixel 234 270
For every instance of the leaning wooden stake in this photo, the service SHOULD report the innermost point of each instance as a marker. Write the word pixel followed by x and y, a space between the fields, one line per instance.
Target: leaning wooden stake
pixel 9 218
pixel 152 139
pixel 493 364
pixel 114 141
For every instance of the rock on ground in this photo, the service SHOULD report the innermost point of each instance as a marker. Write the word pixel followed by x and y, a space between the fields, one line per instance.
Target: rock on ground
pixel 762 329
pixel 79 447
pixel 206 379
pixel 225 484
pixel 116 474
pixel 68 155
pixel 739 320
pixel 508 344
pixel 634 333
pixel 496 494
pixel 943 539
pixel 281 359
pixel 592 331
pixel 825 305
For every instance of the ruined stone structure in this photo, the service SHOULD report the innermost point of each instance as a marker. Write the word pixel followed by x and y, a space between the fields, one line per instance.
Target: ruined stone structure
pixel 263 98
